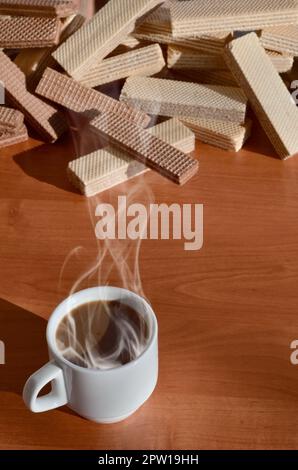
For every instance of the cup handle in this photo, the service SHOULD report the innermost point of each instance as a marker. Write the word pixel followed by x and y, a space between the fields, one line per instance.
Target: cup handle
pixel 49 373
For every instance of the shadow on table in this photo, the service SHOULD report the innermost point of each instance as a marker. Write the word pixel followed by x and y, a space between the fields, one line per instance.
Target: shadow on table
pixel 24 337
pixel 48 162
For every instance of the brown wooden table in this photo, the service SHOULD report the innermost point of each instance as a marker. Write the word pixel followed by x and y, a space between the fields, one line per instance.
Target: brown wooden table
pixel 227 314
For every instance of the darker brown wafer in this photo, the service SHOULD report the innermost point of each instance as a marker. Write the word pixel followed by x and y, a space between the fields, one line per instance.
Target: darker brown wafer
pixel 43 117
pixel 19 32
pixel 58 8
pixel 76 97
pixel 9 137
pixel 146 148
pixel 10 118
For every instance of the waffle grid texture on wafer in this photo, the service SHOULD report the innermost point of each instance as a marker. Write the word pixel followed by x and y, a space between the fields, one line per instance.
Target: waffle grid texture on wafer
pixel 10 118
pixel 43 117
pixel 176 98
pixel 268 95
pixel 108 167
pixel 281 38
pixel 192 17
pixel 59 8
pixel 144 61
pixel 67 92
pixel 145 147
pixel 100 35
pixel 25 31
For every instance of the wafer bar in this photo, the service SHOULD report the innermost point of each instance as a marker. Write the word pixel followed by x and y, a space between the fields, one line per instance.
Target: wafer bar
pixel 106 168
pixel 12 137
pixel 227 135
pixel 10 118
pixel 207 77
pixel 188 59
pixel 268 95
pixel 182 58
pixel 282 62
pixel 190 18
pixel 33 62
pixel 145 61
pixel 283 39
pixel 176 98
pixel 130 42
pixel 17 32
pixel 57 8
pixel 43 117
pixel 103 33
pixel 67 92
pixel 157 28
pixel 146 148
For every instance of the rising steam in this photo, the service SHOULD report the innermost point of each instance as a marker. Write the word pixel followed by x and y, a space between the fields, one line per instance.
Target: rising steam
pixel 79 341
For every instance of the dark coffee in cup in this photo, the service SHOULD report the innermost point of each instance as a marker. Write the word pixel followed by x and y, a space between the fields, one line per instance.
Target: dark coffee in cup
pixel 102 335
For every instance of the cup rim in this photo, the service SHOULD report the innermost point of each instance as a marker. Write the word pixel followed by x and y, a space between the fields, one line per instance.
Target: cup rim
pixel 60 311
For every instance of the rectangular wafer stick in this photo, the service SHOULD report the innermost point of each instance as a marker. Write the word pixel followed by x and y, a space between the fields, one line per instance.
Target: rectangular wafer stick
pixel 18 32
pixel 268 95
pixel 227 135
pixel 188 59
pixel 145 61
pixel 183 58
pixel 191 18
pixel 67 92
pixel 207 77
pixel 10 118
pixel 103 33
pixel 282 62
pixel 43 117
pixel 108 167
pixel 58 8
pixel 157 28
pixel 176 98
pixel 283 39
pixel 12 137
pixel 146 148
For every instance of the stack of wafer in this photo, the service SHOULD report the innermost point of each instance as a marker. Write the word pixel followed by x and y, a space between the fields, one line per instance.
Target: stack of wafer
pixel 197 64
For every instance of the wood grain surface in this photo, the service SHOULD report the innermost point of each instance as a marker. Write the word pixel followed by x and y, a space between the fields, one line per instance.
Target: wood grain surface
pixel 227 314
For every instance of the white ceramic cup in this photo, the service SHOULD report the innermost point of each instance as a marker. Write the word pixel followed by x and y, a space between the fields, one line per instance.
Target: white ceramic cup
pixel 104 396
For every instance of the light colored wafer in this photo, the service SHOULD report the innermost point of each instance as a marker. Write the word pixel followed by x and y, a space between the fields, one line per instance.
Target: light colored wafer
pixel 58 8
pixel 12 137
pixel 157 28
pixel 130 42
pixel 43 117
pixel 33 62
pixel 10 118
pixel 182 58
pixel 227 135
pixel 190 18
pixel 188 59
pixel 282 62
pixel 176 98
pixel 146 148
pixel 103 33
pixel 18 32
pixel 67 92
pixel 283 39
pixel 266 91
pixel 207 77
pixel 145 61
pixel 106 168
